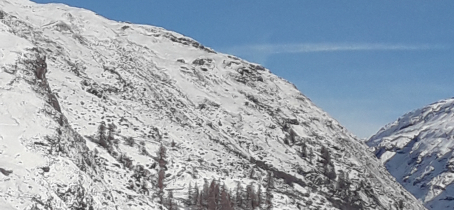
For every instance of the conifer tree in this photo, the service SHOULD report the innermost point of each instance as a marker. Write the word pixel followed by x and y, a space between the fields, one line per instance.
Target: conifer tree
pixel 303 152
pixel 102 135
pixel 161 176
pixel 250 197
pixel 239 196
pixel 143 150
pixel 401 204
pixel 196 195
pixel 325 155
pixel 110 133
pixel 270 181
pixel 259 196
pixel 343 183
pixel 211 200
pixel 252 174
pixel 292 136
pixel 231 198
pixel 205 193
pixel 162 156
pixel 269 187
pixel 199 205
pixel 170 204
pixel 217 193
pixel 268 199
pixel 190 195
pixel 328 166
pixel 225 200
pixel 311 154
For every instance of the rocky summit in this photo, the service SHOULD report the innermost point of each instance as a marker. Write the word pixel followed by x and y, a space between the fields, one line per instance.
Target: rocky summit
pixel 97 114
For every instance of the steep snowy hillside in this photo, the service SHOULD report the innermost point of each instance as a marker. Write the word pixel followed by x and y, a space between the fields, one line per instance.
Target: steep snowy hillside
pixel 417 149
pixel 86 104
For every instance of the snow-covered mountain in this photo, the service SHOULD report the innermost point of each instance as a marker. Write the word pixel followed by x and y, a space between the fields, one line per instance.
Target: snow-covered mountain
pixel 86 103
pixel 417 149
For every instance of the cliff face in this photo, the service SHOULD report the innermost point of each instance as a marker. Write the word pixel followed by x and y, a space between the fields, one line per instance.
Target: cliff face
pixel 86 103
pixel 417 150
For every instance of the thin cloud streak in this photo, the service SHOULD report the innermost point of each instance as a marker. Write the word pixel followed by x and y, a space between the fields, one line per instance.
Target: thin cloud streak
pixel 328 47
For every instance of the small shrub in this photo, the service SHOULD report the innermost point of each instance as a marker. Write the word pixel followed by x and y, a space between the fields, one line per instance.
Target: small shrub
pixel 126 161
pixel 144 151
pixel 130 141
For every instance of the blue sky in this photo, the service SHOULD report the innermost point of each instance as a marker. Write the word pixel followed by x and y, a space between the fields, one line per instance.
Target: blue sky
pixel 364 62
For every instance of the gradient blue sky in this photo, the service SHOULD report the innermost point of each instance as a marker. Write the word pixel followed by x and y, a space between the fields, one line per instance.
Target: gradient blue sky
pixel 364 62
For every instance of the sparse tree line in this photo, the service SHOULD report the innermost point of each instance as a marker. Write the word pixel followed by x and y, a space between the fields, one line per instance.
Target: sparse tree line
pixel 307 153
pixel 211 196
pixel 216 196
pixel 142 180
pixel 105 137
pixel 338 182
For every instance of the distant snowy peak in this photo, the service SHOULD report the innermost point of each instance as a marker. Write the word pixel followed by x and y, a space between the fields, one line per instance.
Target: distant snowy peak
pixel 435 119
pixel 417 149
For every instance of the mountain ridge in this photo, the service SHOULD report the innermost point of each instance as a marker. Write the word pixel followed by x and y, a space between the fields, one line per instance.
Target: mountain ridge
pixel 91 100
pixel 421 140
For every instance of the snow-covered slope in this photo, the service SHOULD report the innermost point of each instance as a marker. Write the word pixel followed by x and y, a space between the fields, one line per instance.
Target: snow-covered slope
pixel 64 72
pixel 417 149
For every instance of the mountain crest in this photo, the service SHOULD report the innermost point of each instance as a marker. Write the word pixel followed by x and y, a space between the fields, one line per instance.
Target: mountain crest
pixel 422 141
pixel 97 114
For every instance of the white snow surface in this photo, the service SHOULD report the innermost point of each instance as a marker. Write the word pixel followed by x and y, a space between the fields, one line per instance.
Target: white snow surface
pixel 422 143
pixel 65 70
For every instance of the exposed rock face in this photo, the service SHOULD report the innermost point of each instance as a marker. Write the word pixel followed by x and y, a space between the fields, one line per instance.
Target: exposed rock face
pixel 86 104
pixel 417 151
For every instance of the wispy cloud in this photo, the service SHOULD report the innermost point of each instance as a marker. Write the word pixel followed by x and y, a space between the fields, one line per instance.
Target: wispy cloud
pixel 327 47
pixel 261 52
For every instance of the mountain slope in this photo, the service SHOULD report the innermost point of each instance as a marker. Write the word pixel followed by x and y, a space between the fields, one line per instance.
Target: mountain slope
pixel 67 76
pixel 417 150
